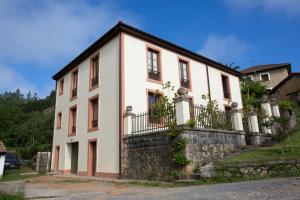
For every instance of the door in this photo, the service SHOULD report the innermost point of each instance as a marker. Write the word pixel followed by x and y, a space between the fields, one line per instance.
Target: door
pixel 74 158
pixel 56 161
pixel 92 162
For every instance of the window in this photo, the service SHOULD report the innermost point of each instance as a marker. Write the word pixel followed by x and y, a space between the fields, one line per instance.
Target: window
pixel 153 100
pixel 58 122
pixel 227 109
pixel 264 77
pixel 93 113
pixel 61 87
pixel 72 121
pixel 226 89
pixel 153 64
pixel 94 72
pixel 184 74
pixel 74 84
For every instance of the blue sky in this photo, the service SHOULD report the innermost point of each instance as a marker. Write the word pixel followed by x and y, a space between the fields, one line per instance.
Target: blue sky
pixel 37 38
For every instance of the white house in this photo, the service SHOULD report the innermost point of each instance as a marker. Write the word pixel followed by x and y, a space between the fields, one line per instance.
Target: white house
pixel 2 157
pixel 124 67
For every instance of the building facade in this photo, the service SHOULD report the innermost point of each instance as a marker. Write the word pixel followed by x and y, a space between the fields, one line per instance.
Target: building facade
pixel 124 67
pixel 270 74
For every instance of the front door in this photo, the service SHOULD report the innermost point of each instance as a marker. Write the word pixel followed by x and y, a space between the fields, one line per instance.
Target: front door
pixel 56 162
pixel 92 158
pixel 74 158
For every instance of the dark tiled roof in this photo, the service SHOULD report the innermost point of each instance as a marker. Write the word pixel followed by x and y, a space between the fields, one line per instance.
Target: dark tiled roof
pixel 283 81
pixel 2 147
pixel 259 68
pixel 122 27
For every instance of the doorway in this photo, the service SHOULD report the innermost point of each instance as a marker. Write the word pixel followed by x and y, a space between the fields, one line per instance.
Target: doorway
pixel 92 158
pixel 56 161
pixel 74 158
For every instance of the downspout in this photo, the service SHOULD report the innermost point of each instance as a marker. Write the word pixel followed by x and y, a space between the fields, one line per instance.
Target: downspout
pixel 208 83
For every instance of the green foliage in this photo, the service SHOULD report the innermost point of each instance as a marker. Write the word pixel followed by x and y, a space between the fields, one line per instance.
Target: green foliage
pixel 4 196
pixel 179 145
pixel 210 115
pixel 175 174
pixel 191 123
pixel 180 159
pixel 26 124
pixel 252 92
pixel 287 105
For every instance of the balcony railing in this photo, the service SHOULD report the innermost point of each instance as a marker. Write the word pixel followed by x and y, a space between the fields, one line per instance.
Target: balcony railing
pixel 74 92
pixel 95 81
pixel 73 129
pixel 154 75
pixel 185 83
pixel 95 123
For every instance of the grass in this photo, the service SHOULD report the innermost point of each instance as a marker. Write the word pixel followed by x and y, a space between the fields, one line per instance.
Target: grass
pixel 280 151
pixel 15 174
pixel 4 196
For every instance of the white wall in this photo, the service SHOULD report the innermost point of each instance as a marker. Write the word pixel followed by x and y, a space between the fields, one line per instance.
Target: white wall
pixel 2 161
pixel 108 134
pixel 136 76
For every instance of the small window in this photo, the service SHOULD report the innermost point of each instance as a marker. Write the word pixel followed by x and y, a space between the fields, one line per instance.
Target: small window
pixel 72 120
pixel 226 89
pixel 58 122
pixel 153 65
pixel 61 87
pixel 264 77
pixel 153 100
pixel 74 84
pixel 184 74
pixel 94 73
pixel 93 113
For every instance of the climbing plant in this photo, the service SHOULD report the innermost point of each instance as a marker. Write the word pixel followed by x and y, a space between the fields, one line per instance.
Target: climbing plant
pixel 165 109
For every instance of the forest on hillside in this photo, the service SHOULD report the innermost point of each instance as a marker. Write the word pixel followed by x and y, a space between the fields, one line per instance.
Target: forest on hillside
pixel 26 122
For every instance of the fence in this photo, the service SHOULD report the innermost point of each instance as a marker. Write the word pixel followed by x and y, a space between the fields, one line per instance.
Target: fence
pixel 152 121
pixel 205 118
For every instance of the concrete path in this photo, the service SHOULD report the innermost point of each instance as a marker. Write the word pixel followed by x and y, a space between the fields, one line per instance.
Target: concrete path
pixel 59 188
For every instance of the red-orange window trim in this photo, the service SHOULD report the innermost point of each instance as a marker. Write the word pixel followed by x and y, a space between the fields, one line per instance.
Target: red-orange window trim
pixel 59 120
pixel 72 83
pixel 159 64
pixel 228 85
pixel 71 119
pixel 89 159
pixel 61 87
pixel 96 56
pixel 90 113
pixel 181 59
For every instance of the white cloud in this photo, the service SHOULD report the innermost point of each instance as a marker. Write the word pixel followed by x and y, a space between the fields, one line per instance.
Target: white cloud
pixel 226 49
pixel 282 7
pixel 11 80
pixel 43 32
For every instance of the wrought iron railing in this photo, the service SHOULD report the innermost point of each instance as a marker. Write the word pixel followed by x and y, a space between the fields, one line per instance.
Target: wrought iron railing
pixel 152 121
pixel 154 75
pixel 185 83
pixel 74 92
pixel 95 81
pixel 205 118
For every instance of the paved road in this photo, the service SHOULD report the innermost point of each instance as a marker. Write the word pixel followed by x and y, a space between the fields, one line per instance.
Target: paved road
pixel 277 189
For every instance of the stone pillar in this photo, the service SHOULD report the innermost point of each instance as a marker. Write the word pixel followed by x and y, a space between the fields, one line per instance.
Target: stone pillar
pixel 43 160
pixel 266 119
pixel 237 122
pixel 275 107
pixel 182 107
pixel 128 120
pixel 253 127
pixel 266 106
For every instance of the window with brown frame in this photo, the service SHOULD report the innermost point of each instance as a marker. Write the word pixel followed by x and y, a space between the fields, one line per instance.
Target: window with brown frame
pixel 226 87
pixel 93 113
pixel 74 84
pixel 94 73
pixel 72 120
pixel 153 111
pixel 61 87
pixel 58 122
pixel 184 74
pixel 153 64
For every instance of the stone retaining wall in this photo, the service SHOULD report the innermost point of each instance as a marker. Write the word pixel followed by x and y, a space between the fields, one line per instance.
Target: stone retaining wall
pixel 272 168
pixel 149 156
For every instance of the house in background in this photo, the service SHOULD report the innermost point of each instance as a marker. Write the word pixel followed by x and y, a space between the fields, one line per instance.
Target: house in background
pixel 288 89
pixel 2 157
pixel 124 68
pixel 271 74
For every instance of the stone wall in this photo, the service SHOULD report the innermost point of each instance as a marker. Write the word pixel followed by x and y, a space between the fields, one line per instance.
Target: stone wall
pixel 149 156
pixel 252 170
